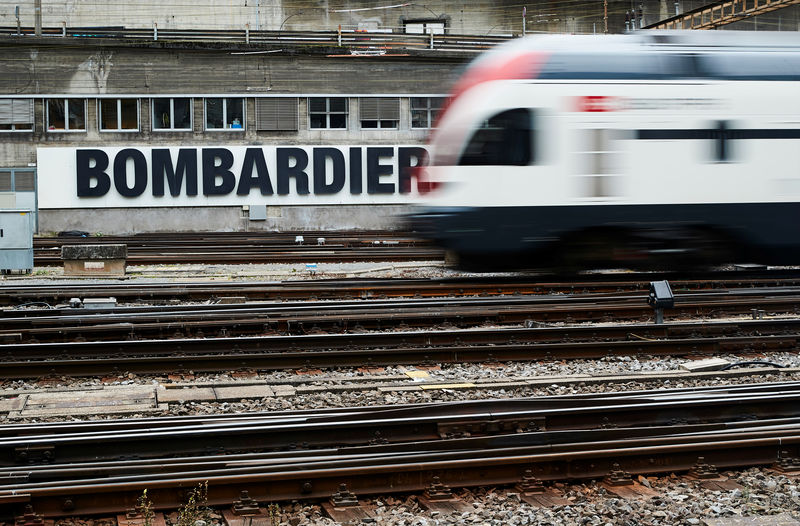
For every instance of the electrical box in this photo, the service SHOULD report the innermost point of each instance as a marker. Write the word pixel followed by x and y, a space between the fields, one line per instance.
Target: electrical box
pixel 16 240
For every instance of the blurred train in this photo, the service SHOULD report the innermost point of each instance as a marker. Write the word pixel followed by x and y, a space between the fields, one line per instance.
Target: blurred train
pixel 648 150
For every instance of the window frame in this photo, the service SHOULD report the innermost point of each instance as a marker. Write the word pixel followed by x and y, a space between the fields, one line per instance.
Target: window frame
pixel 119 128
pixel 66 128
pixel 13 125
pixel 428 109
pixel 328 113
pixel 171 114
pixel 225 115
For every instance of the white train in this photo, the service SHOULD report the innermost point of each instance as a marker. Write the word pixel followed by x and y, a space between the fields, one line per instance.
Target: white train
pixel 646 150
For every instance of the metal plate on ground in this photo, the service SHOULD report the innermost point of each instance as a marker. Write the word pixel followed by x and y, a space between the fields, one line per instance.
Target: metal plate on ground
pixel 549 499
pixel 784 519
pixel 631 491
pixel 347 514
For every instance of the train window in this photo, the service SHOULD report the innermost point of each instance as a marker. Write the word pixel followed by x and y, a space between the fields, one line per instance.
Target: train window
pixel 619 66
pixel 752 66
pixel 505 139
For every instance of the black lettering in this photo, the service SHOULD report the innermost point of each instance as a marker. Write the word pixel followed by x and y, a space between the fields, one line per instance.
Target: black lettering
pixel 212 170
pixel 85 173
pixel 163 168
pixel 254 157
pixel 297 171
pixel 404 166
pixel 121 172
pixel 375 170
pixel 355 171
pixel 321 187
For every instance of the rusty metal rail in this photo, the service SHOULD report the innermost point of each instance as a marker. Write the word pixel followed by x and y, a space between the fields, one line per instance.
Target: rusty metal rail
pixel 16 293
pixel 189 346
pixel 250 247
pixel 720 13
pixel 353 318
pixel 564 438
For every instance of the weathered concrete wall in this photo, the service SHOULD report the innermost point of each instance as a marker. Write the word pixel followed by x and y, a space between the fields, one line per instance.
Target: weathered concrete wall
pixel 221 219
pixel 83 71
pixel 461 17
pixel 134 69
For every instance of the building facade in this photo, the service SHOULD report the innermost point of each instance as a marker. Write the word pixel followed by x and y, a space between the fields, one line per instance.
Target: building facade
pixel 108 132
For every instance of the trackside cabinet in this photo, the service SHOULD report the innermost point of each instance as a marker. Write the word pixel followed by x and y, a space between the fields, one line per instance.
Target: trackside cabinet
pixel 16 240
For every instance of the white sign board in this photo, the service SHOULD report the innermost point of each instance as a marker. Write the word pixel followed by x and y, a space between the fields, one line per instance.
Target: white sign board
pixel 148 176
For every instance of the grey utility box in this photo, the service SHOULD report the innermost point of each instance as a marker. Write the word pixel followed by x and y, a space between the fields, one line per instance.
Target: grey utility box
pixel 16 240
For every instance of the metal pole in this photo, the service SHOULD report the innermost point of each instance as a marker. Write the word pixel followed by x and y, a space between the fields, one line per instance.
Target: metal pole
pixel 155 30
pixel 605 16
pixel 37 17
pixel 19 28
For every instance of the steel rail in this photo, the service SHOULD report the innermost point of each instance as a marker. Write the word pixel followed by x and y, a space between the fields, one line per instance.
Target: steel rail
pixel 414 424
pixel 20 293
pixel 47 476
pixel 149 423
pixel 412 473
pixel 253 319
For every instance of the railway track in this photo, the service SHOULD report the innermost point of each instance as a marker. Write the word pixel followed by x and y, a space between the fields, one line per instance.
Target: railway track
pixel 334 334
pixel 68 470
pixel 250 247
pixel 15 293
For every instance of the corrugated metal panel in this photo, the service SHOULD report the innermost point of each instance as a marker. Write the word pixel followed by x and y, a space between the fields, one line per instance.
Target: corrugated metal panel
pixel 24 181
pixel 279 113
pixel 5 180
pixel 379 109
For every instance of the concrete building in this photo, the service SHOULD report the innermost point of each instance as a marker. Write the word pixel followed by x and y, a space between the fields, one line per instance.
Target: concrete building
pixel 118 135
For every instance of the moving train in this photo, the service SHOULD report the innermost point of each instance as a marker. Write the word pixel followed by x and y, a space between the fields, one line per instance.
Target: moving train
pixel 652 149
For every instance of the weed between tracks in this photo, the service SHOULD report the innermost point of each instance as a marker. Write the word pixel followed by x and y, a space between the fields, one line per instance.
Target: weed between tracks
pixel 196 508
pixel 145 508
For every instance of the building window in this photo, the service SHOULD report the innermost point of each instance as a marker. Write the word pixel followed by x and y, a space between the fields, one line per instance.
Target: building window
pixel 505 140
pixel 276 114
pixel 16 115
pixel 327 112
pixel 172 114
pixel 379 112
pixel 66 114
pixel 424 111
pixel 225 114
pixel 119 114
